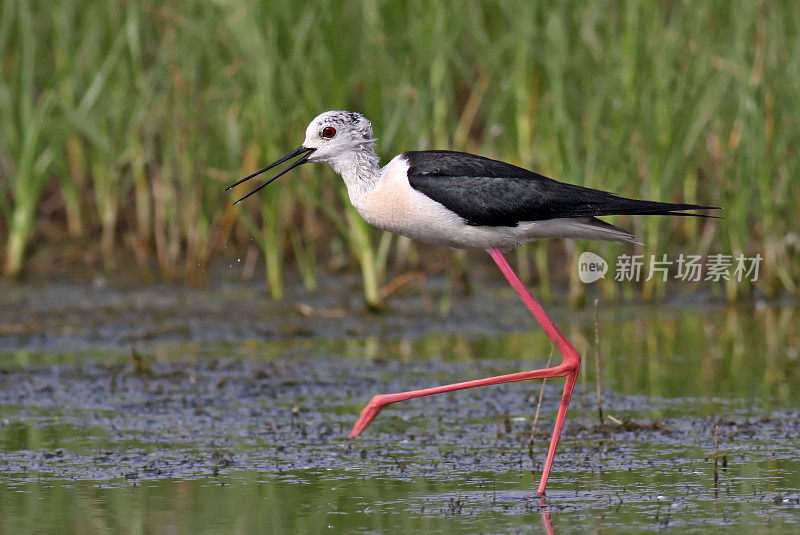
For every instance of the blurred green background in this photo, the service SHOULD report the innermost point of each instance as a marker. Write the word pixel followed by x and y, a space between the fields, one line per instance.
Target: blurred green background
pixel 122 121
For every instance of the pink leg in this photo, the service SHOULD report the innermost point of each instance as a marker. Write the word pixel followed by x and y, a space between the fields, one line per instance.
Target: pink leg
pixel 568 368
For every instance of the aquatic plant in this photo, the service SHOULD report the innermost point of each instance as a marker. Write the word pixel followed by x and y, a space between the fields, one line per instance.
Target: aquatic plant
pixel 123 122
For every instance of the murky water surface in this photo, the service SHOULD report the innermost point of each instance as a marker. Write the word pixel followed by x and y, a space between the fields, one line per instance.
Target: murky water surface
pixel 169 410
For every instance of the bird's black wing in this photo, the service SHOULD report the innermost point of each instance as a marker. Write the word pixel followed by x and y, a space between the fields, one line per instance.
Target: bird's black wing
pixel 494 193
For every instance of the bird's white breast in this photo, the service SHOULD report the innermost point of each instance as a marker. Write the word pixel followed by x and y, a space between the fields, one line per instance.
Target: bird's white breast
pixel 395 206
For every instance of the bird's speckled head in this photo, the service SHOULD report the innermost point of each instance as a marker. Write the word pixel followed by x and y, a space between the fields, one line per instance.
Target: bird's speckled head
pixel 334 133
pixel 342 139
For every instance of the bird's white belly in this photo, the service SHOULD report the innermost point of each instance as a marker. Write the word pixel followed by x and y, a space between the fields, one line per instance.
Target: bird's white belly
pixel 397 207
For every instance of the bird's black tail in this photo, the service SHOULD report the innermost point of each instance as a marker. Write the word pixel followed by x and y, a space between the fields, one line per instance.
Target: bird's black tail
pixel 623 206
pixel 583 201
pixel 609 204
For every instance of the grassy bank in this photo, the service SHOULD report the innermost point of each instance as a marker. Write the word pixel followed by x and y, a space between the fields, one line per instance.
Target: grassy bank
pixel 123 121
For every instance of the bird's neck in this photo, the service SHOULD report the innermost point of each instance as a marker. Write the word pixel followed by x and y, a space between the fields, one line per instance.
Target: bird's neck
pixel 359 169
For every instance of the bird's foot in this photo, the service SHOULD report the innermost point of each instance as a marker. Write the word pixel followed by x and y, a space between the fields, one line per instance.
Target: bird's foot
pixel 373 408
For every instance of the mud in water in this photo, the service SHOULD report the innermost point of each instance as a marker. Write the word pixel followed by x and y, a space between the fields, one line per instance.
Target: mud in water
pixel 122 420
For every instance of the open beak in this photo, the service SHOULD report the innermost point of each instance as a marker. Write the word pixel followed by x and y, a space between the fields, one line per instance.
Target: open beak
pixel 306 152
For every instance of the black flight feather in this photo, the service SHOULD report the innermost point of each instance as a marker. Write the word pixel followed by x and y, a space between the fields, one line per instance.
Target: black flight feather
pixel 494 193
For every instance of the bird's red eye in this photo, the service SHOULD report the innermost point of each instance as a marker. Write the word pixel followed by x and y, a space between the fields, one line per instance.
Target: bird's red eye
pixel 328 132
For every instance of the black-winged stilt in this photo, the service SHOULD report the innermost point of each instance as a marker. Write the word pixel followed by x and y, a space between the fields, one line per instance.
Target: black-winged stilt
pixel 469 202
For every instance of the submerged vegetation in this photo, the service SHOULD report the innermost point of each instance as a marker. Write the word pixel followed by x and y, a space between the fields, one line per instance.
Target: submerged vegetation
pixel 122 122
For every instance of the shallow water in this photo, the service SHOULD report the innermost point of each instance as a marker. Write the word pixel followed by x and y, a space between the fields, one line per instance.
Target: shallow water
pixel 233 416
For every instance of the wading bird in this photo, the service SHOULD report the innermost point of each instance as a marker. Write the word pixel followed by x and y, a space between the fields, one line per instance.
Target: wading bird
pixel 469 202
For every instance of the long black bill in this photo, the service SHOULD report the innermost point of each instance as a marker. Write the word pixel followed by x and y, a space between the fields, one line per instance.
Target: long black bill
pixel 299 150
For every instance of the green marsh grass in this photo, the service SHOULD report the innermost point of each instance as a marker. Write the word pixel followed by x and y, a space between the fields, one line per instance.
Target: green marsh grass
pixel 122 122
